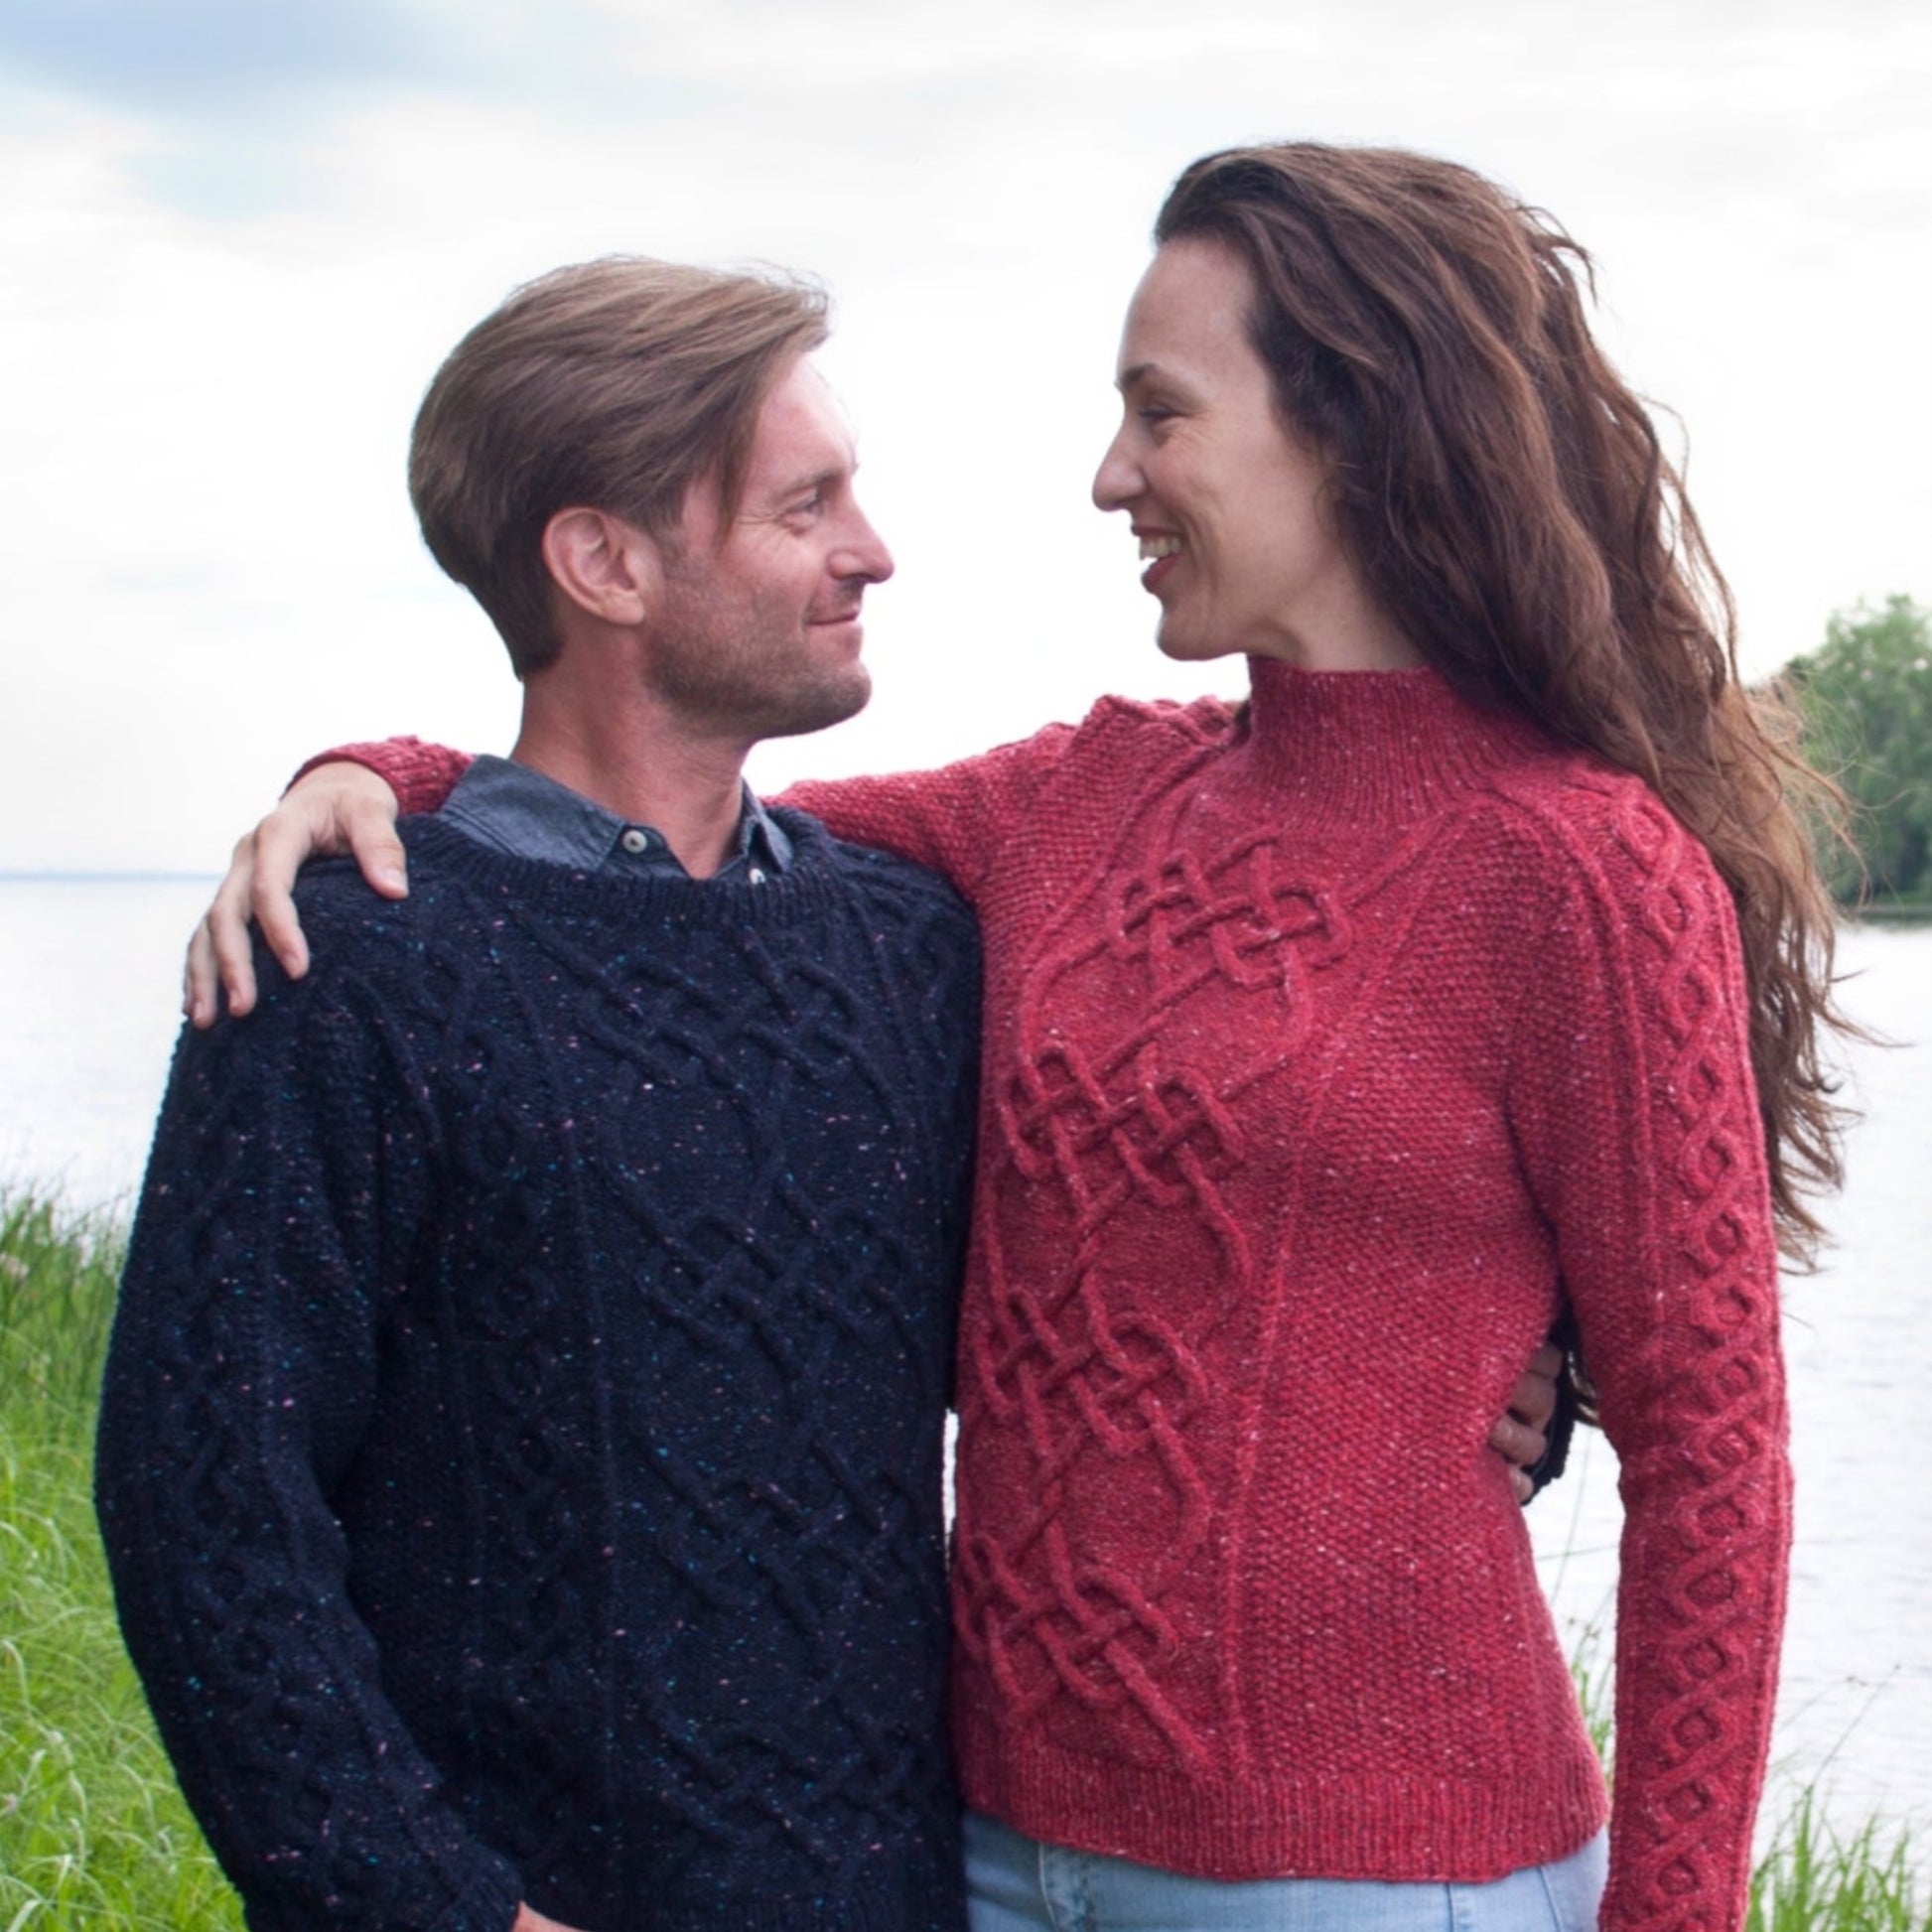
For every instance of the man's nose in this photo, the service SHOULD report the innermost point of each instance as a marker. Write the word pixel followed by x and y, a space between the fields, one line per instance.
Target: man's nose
pixel 864 553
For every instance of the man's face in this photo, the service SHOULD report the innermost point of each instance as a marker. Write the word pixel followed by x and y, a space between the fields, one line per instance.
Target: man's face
pixel 759 631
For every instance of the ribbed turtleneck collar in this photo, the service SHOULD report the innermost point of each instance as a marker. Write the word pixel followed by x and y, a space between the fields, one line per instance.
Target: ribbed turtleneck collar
pixel 1372 748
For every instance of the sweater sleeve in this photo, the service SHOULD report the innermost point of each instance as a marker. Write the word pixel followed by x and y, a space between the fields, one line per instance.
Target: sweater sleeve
pixel 420 774
pixel 947 819
pixel 281 1198
pixel 1633 1102
pixel 953 818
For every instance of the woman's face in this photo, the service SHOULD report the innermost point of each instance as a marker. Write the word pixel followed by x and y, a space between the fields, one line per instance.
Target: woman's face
pixel 1226 502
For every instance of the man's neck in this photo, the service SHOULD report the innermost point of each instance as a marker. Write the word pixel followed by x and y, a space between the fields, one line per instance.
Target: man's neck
pixel 636 762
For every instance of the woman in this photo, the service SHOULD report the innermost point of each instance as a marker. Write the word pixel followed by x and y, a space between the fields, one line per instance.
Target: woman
pixel 1477 954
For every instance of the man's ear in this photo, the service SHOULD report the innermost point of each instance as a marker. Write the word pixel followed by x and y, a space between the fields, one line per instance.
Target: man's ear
pixel 603 564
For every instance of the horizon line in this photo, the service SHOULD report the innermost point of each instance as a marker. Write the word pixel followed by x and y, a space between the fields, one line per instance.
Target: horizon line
pixel 117 875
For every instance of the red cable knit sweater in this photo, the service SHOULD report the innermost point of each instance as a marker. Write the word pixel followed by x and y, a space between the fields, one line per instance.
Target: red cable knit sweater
pixel 1318 1049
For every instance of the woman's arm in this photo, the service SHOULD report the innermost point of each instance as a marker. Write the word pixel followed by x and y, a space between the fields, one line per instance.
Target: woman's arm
pixel 346 800
pixel 1633 1102
pixel 420 774
pixel 952 818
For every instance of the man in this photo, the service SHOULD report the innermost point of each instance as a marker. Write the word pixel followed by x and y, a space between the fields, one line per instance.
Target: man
pixel 520 1455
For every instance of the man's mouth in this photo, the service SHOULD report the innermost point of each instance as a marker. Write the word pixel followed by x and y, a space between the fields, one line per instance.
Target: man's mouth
pixel 839 617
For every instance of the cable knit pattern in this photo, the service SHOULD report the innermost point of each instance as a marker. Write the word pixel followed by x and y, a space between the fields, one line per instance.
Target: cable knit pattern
pixel 521 1448
pixel 1321 1046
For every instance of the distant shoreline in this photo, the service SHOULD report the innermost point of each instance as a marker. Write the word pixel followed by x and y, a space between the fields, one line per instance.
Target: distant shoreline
pixel 1909 912
pixel 109 878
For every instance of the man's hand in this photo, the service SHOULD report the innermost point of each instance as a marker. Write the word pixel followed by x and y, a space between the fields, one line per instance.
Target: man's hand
pixel 337 807
pixel 1517 1433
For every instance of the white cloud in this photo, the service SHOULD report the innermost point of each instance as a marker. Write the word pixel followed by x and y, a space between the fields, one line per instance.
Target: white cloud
pixel 211 567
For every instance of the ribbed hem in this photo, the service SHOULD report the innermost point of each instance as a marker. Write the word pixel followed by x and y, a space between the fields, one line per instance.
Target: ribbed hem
pixel 1284 1826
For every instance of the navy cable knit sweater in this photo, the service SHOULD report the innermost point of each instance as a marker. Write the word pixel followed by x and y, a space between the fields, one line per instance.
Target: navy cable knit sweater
pixel 520 1450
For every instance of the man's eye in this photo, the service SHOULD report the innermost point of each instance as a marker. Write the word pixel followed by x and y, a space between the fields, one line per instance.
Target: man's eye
pixel 1153 413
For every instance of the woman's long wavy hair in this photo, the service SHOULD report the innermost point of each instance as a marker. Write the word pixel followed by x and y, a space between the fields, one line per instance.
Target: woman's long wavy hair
pixel 1510 504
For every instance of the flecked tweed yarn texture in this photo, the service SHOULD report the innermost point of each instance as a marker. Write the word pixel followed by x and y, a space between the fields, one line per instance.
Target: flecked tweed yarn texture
pixel 522 1450
pixel 1330 1046
pixel 1322 1047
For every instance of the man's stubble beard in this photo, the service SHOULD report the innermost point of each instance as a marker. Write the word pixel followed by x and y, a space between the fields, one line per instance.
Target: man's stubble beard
pixel 744 664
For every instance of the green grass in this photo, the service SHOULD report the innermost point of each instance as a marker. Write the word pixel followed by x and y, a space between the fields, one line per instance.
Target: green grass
pixel 93 1834
pixel 1815 1880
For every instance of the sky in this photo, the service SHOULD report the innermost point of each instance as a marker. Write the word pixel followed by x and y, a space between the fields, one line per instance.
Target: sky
pixel 238 238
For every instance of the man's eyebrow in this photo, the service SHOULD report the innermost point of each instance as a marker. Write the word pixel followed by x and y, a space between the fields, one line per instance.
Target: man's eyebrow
pixel 1128 378
pixel 830 472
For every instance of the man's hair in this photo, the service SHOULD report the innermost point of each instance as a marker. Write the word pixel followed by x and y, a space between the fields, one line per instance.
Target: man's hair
pixel 614 385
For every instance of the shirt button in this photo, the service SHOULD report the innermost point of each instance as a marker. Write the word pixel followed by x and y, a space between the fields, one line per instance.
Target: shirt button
pixel 635 840
pixel 756 876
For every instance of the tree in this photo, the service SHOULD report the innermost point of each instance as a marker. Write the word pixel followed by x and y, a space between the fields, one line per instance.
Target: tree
pixel 1866 697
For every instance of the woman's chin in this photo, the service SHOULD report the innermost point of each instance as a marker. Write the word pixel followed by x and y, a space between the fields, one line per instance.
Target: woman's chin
pixel 1187 646
pixel 1192 653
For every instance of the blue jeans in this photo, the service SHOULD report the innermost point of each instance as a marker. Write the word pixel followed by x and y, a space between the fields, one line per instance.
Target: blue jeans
pixel 1017 1884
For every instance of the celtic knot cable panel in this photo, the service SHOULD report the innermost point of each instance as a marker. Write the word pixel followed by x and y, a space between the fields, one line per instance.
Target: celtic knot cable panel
pixel 1194 986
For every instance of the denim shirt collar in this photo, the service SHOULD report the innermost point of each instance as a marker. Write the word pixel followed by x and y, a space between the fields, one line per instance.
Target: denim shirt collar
pixel 513 809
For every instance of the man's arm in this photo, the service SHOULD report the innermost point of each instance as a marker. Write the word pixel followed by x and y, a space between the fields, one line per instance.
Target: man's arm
pixel 282 1197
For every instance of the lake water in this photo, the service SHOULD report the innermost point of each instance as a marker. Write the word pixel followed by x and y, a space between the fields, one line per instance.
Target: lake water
pixel 89 973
